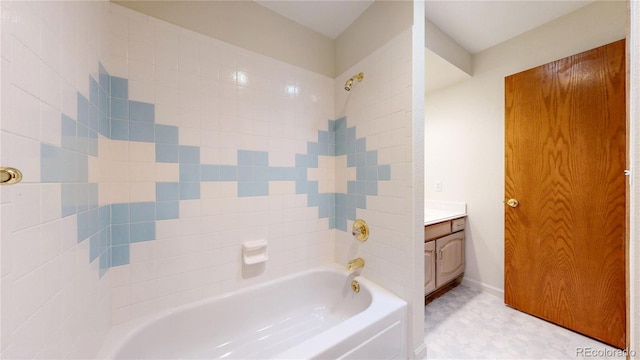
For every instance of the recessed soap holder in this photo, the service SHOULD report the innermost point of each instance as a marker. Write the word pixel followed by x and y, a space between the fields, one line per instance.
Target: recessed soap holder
pixel 254 252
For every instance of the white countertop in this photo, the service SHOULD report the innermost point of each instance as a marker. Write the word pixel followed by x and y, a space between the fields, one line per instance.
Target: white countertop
pixel 433 216
pixel 438 211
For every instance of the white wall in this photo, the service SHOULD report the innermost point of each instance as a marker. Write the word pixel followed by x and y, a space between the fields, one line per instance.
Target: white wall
pixel 438 42
pixel 222 99
pixel 242 23
pixel 67 275
pixel 65 278
pixel 380 109
pixel 465 128
pixel 418 59
pixel 55 302
pixel 281 110
pixel 379 24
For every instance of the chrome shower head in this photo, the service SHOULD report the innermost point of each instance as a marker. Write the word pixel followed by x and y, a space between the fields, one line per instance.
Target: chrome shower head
pixel 349 84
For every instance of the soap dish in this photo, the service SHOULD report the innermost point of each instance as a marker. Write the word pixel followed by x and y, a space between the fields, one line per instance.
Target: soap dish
pixel 254 252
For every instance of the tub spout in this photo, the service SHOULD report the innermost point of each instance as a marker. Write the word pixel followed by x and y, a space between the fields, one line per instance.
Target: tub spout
pixel 355 264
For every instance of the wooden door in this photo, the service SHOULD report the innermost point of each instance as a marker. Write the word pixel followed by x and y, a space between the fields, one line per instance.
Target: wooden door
pixel 450 263
pixel 429 267
pixel 565 156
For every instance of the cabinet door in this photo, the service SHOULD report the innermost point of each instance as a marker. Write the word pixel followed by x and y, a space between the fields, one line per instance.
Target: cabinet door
pixel 429 267
pixel 450 258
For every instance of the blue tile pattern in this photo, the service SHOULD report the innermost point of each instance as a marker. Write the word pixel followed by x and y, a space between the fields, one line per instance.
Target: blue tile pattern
pixel 340 140
pixel 119 255
pixel 166 210
pixel 111 228
pixel 109 112
pixel 166 134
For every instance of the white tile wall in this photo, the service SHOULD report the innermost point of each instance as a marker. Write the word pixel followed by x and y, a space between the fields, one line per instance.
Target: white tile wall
pixel 381 109
pixel 387 128
pixel 223 99
pixel 53 303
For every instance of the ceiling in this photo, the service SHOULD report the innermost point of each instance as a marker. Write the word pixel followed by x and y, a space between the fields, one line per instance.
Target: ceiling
pixel 439 73
pixel 475 25
pixel 328 17
pixel 478 25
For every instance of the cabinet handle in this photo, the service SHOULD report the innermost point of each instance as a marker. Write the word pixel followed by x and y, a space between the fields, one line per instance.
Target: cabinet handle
pixel 440 254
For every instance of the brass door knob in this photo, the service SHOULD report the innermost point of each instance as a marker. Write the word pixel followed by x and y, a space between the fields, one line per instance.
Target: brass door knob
pixel 512 202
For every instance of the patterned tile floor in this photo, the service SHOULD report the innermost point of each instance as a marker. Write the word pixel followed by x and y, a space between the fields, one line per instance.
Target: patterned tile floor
pixel 466 323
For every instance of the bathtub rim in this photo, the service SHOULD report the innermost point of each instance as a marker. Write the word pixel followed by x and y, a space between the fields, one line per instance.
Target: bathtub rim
pixel 119 334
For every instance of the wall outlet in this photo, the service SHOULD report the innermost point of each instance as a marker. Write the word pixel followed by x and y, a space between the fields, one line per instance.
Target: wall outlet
pixel 439 185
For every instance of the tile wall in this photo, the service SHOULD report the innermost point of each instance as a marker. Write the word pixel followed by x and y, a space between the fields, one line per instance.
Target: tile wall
pixel 157 151
pixel 380 109
pixel 54 302
pixel 237 149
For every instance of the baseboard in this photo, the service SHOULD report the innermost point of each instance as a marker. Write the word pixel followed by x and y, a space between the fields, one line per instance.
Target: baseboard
pixel 483 287
pixel 420 352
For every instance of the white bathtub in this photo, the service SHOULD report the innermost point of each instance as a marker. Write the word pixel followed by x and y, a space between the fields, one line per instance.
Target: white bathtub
pixel 311 315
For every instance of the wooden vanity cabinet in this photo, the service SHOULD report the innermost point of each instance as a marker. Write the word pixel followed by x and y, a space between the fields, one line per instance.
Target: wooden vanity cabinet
pixel 450 257
pixel 429 267
pixel 443 253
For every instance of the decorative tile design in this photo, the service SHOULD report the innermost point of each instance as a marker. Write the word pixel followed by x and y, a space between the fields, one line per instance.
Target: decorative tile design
pixel 337 141
pixel 109 112
pixel 111 228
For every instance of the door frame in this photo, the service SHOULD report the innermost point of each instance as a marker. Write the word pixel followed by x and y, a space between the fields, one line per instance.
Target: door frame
pixel 633 143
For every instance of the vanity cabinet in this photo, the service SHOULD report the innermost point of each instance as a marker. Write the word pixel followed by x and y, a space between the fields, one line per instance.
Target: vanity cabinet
pixel 429 267
pixel 443 253
pixel 449 257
